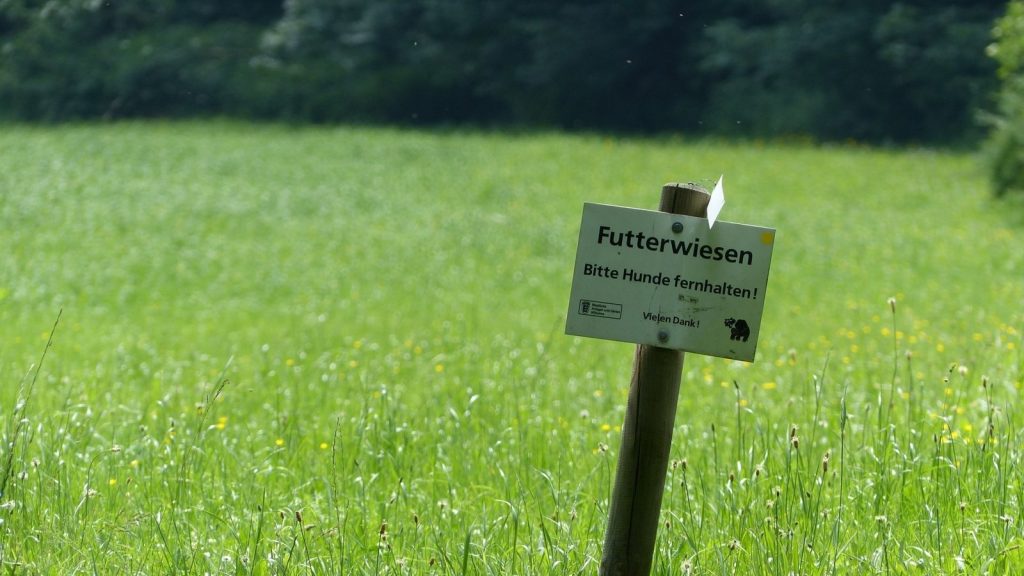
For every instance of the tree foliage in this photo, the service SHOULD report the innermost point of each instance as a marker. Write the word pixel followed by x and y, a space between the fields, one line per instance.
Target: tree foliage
pixel 908 71
pixel 65 59
pixel 867 70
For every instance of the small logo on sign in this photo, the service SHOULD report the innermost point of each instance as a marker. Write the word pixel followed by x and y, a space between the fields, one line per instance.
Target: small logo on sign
pixel 600 309
pixel 740 329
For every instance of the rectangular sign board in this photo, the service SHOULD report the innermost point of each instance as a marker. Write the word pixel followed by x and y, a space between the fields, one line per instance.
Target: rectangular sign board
pixel 669 280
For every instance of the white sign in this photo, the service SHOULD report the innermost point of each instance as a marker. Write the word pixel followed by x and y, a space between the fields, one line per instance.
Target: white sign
pixel 669 280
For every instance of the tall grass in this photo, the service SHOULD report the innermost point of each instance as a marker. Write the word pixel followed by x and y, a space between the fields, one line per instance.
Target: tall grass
pixel 340 350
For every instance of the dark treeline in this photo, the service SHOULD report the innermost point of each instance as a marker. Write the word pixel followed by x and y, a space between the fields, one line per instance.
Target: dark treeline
pixel 911 71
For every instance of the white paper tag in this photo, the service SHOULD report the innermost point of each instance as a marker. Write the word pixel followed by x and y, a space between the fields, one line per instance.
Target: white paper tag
pixel 716 203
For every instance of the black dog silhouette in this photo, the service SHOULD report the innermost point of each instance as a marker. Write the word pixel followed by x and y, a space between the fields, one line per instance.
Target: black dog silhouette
pixel 740 329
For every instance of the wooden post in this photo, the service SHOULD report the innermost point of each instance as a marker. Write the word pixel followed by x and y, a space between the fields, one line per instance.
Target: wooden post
pixel 647 433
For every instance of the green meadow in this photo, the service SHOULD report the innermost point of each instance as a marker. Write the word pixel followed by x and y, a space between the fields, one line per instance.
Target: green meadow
pixel 279 350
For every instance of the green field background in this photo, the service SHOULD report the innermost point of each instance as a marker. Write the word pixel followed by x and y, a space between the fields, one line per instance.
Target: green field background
pixel 341 350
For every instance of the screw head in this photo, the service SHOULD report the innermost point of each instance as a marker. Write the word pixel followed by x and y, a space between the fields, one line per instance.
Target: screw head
pixel 677 227
pixel 662 336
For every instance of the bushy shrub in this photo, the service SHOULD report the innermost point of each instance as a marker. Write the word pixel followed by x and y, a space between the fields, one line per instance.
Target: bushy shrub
pixel 1005 147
